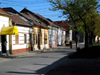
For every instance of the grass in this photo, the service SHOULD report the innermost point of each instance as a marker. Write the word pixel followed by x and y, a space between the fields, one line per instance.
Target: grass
pixel 92 51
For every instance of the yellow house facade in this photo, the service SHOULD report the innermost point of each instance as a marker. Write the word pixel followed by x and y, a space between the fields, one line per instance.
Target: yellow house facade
pixel 40 38
pixel 39 30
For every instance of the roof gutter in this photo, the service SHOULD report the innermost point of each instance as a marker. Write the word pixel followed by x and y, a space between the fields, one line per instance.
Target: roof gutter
pixel 4 14
pixel 19 24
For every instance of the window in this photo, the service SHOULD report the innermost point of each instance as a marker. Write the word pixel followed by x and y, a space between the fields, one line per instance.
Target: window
pixel 0 38
pixel 16 39
pixel 25 38
pixel 45 38
pixel 34 38
pixel 41 38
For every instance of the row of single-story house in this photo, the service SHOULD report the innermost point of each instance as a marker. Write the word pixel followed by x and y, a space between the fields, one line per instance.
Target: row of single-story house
pixel 27 31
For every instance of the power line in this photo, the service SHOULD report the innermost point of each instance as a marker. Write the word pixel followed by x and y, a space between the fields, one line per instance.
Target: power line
pixel 39 7
pixel 24 2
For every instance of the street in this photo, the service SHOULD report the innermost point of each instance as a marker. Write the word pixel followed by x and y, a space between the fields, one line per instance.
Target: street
pixel 35 65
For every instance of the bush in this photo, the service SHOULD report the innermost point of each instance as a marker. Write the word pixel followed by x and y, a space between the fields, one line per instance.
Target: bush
pixel 92 51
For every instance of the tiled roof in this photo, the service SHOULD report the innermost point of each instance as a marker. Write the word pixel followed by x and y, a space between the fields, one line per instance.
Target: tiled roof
pixel 51 23
pixel 32 17
pixel 63 24
pixel 27 16
pixel 3 11
pixel 17 19
pixel 42 26
pixel 11 10
pixel 38 16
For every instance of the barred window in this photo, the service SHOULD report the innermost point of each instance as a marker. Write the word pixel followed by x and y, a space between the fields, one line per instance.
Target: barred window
pixel 45 38
pixel 16 39
pixel 34 39
pixel 25 38
pixel 41 38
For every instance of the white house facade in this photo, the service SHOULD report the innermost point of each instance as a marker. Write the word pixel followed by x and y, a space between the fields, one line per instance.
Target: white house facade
pixel 20 43
pixel 4 22
pixel 60 36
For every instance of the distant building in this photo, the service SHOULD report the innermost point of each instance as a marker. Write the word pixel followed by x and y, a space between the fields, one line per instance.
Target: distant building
pixel 63 31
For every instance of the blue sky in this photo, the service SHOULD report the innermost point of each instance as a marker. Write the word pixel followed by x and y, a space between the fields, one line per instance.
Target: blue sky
pixel 37 6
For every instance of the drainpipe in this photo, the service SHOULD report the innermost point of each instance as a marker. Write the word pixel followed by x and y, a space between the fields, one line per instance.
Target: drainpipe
pixel 31 37
pixel 57 36
pixel 51 35
pixel 62 37
pixel 39 34
pixel 1 47
pixel 32 41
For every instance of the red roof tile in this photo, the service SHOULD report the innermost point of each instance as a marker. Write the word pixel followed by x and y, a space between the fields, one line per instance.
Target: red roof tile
pixel 63 24
pixel 3 11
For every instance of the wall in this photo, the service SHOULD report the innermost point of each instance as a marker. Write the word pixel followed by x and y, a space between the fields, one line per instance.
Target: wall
pixel 80 36
pixel 52 37
pixel 70 35
pixel 4 22
pixel 64 35
pixel 21 46
pixel 96 39
pixel 35 31
pixel 60 36
pixel 42 45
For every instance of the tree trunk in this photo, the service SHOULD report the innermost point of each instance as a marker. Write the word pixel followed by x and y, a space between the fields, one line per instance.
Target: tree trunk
pixel 90 38
pixel 76 38
pixel 39 39
pixel 86 39
pixel 93 38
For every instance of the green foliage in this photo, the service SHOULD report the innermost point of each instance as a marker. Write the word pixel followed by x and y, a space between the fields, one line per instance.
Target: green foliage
pixel 92 51
pixel 97 26
pixel 83 14
pixel 80 12
pixel 95 44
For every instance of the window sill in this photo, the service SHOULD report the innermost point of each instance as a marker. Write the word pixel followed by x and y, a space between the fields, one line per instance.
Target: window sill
pixel 20 44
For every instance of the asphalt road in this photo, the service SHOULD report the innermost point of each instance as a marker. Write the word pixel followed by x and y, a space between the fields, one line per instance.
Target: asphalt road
pixel 35 65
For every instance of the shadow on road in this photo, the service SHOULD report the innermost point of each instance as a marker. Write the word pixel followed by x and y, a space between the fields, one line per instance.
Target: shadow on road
pixel 46 67
pixel 77 67
pixel 40 71
pixel 24 73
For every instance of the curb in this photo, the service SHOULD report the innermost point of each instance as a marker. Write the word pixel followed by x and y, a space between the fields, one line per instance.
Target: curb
pixel 32 53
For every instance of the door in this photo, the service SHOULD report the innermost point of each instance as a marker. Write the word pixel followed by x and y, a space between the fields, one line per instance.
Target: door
pixel 3 41
pixel 30 37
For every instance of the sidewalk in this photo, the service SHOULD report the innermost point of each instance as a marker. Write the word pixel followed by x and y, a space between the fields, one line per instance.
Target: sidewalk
pixel 12 56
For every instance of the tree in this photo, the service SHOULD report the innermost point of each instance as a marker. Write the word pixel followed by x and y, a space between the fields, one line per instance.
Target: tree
pixel 81 13
pixel 92 22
